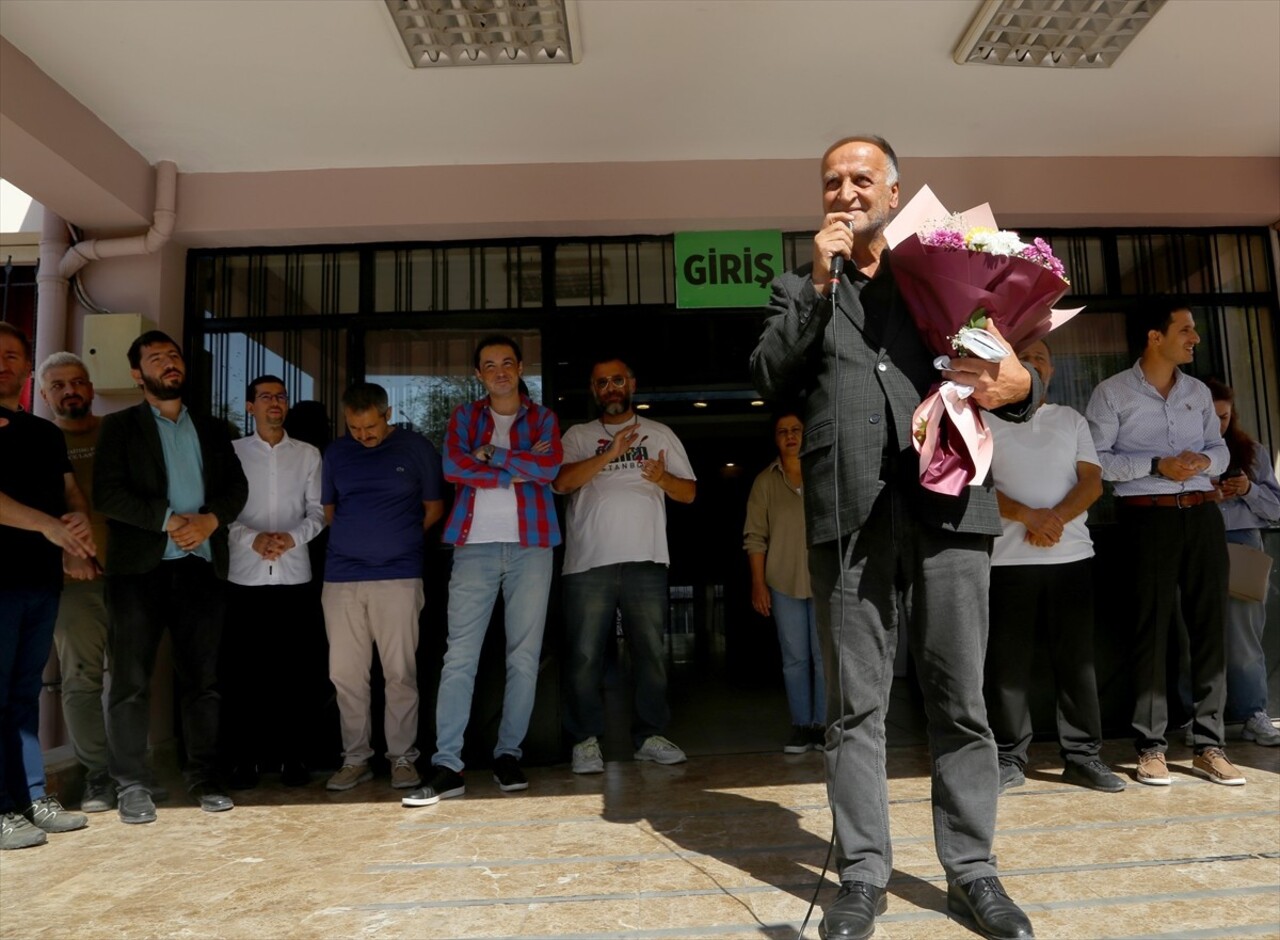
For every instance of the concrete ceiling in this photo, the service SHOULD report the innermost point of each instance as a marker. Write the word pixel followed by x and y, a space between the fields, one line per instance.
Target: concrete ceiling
pixel 258 85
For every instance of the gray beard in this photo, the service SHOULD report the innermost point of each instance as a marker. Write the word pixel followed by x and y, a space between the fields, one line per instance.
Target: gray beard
pixel 617 407
pixel 74 413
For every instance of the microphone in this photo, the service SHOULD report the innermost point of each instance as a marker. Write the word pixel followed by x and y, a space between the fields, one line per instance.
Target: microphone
pixel 837 264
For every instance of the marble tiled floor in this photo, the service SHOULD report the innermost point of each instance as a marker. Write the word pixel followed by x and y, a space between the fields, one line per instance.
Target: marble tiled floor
pixel 723 846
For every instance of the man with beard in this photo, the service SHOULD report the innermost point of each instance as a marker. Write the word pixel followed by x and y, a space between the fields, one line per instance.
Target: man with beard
pixel 80 635
pixel 269 596
pixel 169 484
pixel 618 472
pixel 884 551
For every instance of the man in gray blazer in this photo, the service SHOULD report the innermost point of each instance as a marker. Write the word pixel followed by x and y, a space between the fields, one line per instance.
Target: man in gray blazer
pixel 884 551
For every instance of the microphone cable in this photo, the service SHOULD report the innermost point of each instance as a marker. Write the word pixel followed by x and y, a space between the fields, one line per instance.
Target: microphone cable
pixel 837 270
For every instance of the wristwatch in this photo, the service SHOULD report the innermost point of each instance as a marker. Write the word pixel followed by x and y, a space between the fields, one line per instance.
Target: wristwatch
pixel 1155 467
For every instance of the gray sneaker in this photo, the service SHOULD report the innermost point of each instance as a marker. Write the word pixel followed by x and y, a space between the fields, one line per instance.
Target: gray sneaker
pixel 587 758
pixel 659 749
pixel 47 813
pixel 350 776
pixel 99 794
pixel 16 832
pixel 1260 730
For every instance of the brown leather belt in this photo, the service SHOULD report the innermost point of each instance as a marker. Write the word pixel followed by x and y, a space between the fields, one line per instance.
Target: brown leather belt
pixel 1168 501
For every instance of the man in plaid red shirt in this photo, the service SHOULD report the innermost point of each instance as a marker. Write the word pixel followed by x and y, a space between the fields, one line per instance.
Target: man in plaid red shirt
pixel 502 452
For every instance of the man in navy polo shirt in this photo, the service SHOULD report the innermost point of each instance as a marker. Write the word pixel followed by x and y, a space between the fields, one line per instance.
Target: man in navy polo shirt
pixel 381 489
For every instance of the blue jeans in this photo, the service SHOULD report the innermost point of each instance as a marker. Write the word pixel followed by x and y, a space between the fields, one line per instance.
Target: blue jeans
pixel 479 571
pixel 27 616
pixel 1246 659
pixel 591 598
pixel 797 622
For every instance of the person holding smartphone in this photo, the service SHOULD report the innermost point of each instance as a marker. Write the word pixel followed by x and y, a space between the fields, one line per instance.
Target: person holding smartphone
pixel 1250 500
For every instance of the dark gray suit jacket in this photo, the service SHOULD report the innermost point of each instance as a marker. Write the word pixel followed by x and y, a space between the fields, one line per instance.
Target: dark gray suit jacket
pixel 131 487
pixel 884 371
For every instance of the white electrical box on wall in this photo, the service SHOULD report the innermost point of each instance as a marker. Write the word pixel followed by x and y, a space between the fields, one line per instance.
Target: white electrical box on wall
pixel 105 350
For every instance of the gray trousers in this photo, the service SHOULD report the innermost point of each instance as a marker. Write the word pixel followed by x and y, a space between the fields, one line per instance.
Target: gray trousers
pixel 80 637
pixel 936 582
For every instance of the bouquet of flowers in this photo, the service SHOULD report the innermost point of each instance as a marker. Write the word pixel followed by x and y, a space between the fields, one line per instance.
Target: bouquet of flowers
pixel 958 274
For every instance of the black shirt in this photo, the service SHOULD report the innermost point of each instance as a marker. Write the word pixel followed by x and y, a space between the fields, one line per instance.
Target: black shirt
pixel 33 462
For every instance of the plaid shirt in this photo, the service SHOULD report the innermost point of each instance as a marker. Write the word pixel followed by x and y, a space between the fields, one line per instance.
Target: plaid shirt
pixel 470 427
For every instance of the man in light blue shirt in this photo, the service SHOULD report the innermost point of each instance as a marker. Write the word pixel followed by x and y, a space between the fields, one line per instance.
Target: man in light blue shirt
pixel 1159 444
pixel 169 484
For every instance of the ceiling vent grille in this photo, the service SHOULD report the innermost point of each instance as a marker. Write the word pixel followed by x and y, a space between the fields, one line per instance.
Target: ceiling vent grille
pixel 486 32
pixel 1065 34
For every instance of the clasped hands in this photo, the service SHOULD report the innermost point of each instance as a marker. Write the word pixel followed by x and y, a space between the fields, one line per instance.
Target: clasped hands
pixel 1184 466
pixel 190 530
pixel 1044 527
pixel 271 545
pixel 72 533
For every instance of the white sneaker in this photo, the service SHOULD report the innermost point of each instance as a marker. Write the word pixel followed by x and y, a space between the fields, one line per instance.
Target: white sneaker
pixel 587 758
pixel 1260 730
pixel 657 748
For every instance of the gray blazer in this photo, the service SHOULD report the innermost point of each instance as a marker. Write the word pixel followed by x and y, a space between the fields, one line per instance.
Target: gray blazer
pixel 861 372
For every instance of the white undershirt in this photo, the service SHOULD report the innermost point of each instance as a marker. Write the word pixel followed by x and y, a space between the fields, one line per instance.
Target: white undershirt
pixel 494 516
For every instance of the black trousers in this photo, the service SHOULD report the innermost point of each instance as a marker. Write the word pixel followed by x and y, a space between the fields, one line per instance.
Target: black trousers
pixel 1056 601
pixel 185 597
pixel 1178 556
pixel 273 660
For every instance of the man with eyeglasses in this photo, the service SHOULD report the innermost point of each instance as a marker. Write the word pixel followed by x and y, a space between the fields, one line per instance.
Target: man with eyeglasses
pixel 267 657
pixel 618 473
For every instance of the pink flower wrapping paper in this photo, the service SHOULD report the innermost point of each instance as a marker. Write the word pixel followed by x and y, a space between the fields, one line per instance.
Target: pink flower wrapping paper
pixel 943 287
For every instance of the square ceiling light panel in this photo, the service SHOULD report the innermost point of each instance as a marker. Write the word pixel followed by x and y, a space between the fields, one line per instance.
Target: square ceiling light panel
pixel 487 32
pixel 1065 34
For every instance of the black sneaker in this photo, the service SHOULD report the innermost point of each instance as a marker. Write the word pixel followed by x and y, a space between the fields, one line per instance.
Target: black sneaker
pixel 1011 775
pixel 442 784
pixel 294 773
pixel 799 742
pixel 1095 775
pixel 818 737
pixel 243 776
pixel 508 775
pixel 99 793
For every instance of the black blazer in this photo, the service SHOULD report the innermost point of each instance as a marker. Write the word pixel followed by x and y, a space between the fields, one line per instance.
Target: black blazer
pixel 884 371
pixel 131 487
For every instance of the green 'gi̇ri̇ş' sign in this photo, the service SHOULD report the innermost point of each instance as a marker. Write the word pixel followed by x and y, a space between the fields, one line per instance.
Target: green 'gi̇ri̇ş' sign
pixel 726 269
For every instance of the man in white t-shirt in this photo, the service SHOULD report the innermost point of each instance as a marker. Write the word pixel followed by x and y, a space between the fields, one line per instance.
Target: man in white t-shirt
pixel 1047 475
pixel 618 473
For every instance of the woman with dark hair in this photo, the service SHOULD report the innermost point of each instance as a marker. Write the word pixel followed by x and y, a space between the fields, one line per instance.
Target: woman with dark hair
pixel 774 537
pixel 1250 500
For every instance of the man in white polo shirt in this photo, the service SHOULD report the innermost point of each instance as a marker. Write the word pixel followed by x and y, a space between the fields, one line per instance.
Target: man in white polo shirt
pixel 1047 475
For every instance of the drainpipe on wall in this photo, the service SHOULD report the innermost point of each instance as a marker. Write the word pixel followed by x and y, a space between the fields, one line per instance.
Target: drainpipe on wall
pixel 60 260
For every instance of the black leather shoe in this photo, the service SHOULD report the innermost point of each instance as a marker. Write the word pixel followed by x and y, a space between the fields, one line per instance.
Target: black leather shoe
pixel 210 798
pixel 983 905
pixel 243 777
pixel 1011 775
pixel 852 915
pixel 1095 775
pixel 135 806
pixel 294 773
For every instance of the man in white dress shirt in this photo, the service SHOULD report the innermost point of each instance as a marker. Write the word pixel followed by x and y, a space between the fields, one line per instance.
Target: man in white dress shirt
pixel 267 651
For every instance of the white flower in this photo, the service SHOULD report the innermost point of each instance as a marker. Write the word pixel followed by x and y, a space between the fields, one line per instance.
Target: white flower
pixel 996 242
